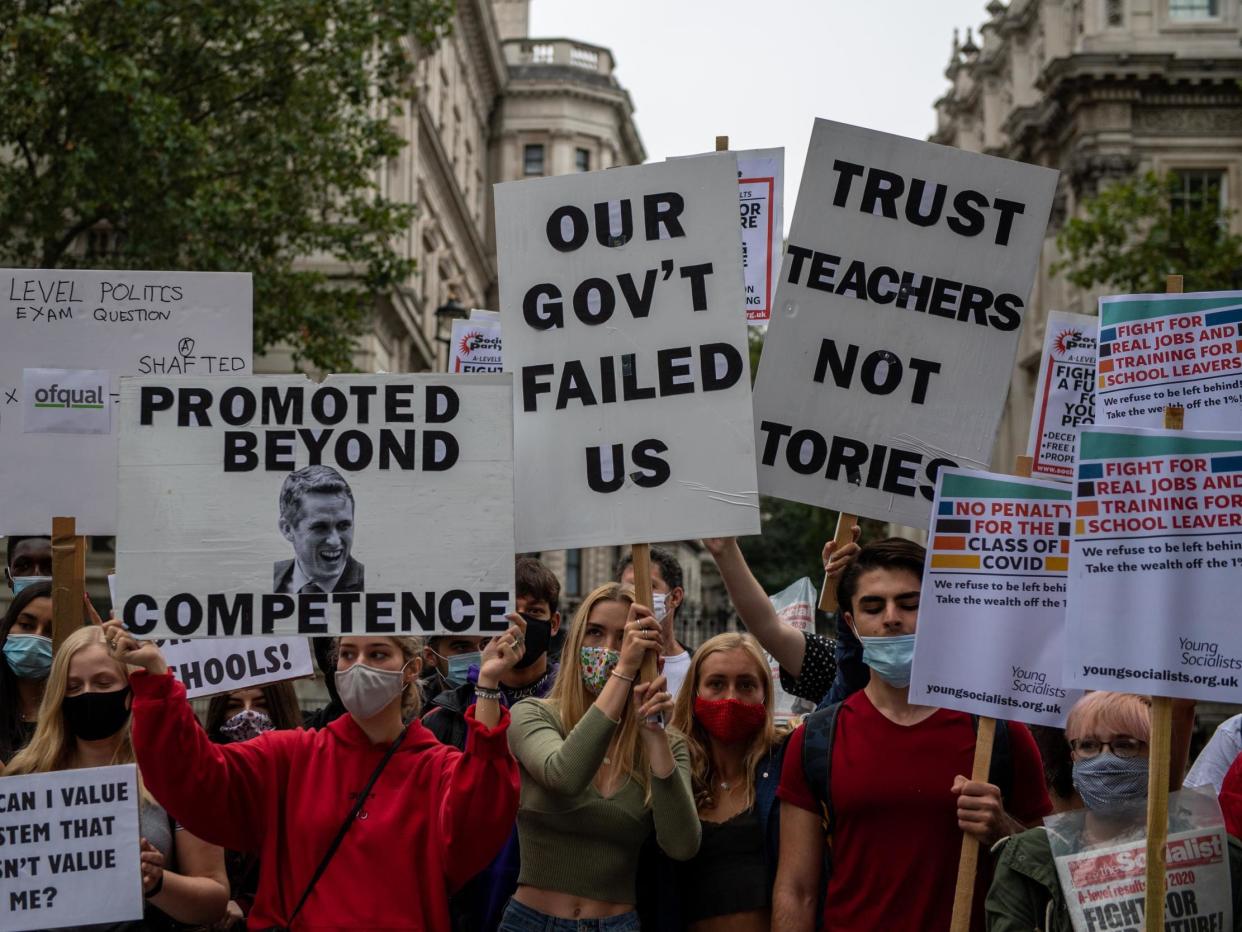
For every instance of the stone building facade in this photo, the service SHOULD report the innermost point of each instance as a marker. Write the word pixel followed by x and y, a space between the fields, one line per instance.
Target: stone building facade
pixel 1100 90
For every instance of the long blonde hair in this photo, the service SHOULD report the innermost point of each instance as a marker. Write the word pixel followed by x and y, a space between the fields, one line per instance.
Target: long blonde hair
pixel 703 777
pixel 570 700
pixel 52 746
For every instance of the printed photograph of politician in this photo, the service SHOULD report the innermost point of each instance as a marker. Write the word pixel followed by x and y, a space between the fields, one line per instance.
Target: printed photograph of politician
pixel 317 518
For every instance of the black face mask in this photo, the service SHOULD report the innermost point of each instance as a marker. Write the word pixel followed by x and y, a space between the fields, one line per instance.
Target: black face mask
pixel 538 636
pixel 94 716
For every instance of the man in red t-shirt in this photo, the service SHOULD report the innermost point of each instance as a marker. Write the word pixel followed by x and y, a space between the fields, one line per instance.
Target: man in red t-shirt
pixel 900 799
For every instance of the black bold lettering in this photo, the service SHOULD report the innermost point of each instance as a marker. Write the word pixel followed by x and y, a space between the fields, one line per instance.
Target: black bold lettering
pixel 402 452
pixel 698 286
pixel 437 413
pixel 548 315
pixel 595 469
pixel 532 386
pixel 798 254
pixel 969 220
pixel 582 301
pixel 710 355
pixel 673 365
pixel 639 302
pixel 914 203
pixel 848 172
pixel 1008 314
pixel 328 405
pixel 1007 210
pixel 397 402
pixel 771 446
pixel 647 457
pixel 228 404
pixel 575 386
pixel 579 228
pixel 813 443
pixel 439 463
pixel 830 358
pixel 603 224
pixel 193 402
pixel 152 398
pixel 663 210
pixel 239 455
pixel 883 188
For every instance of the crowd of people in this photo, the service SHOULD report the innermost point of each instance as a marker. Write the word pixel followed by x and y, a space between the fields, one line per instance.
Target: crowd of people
pixel 538 781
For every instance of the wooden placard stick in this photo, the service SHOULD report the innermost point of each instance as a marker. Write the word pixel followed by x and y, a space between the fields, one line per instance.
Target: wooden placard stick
pixel 844 534
pixel 68 579
pixel 722 143
pixel 641 554
pixel 1160 756
pixel 985 738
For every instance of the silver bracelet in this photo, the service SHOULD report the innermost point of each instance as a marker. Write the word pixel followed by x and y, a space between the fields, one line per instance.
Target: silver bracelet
pixel 483 692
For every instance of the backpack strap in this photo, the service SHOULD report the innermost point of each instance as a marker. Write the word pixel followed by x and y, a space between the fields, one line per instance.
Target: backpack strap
pixel 1000 769
pixel 817 742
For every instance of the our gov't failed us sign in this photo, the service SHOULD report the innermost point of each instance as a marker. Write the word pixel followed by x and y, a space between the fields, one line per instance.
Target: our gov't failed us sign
pixel 896 320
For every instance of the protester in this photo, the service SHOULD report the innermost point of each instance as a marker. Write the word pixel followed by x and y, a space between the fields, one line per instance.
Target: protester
pixel 239 716
pixel 667 595
pixel 447 659
pixel 391 818
pixel 735 759
pixel 84 721
pixel 891 778
pixel 28 560
pixel 1218 755
pixel 324 649
pixel 808 661
pixel 599 771
pixel 479 905
pixel 26 641
pixel 1231 799
pixel 1108 734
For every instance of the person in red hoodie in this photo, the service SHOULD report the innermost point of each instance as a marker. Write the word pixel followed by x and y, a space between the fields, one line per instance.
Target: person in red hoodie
pixel 434 818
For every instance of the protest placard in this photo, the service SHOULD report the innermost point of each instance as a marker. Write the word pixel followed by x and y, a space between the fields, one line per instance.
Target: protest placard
pixel 209 666
pixel 761 194
pixel 896 320
pixel 67 336
pixel 272 505
pixel 1064 393
pixel 475 346
pixel 1104 881
pixel 992 609
pixel 1158 350
pixel 69 848
pixel 795 606
pixel 619 295
pixel 1154 588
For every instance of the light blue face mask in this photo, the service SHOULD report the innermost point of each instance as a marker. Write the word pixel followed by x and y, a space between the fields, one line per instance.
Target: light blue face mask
pixel 21 582
pixel 890 658
pixel 29 655
pixel 458 666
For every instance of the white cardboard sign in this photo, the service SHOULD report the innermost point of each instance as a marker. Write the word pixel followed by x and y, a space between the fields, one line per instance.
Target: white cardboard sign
pixel 761 194
pixel 272 505
pixel 1155 592
pixel 619 293
pixel 476 346
pixel 127 322
pixel 896 320
pixel 1064 393
pixel 1158 350
pixel 209 666
pixel 995 580
pixel 70 853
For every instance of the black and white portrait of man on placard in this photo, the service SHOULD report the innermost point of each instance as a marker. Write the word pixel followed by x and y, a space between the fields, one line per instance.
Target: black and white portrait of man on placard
pixel 317 518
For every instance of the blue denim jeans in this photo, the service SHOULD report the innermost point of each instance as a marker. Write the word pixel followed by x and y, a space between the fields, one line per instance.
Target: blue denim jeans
pixel 519 918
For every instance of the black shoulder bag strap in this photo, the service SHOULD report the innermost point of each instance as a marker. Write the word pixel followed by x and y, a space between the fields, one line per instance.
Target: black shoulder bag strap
pixel 349 820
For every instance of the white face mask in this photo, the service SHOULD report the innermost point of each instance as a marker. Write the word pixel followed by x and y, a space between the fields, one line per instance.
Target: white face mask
pixel 658 608
pixel 366 691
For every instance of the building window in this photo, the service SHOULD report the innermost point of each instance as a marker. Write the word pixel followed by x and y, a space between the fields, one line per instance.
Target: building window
pixel 573 572
pixel 532 160
pixel 584 58
pixel 1194 9
pixel 542 54
pixel 1198 189
pixel 1115 13
pixel 582 160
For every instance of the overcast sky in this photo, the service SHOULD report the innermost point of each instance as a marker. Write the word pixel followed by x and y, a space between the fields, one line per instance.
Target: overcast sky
pixel 761 72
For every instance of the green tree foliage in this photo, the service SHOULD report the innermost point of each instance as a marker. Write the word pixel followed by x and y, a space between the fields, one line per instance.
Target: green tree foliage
pixel 793 534
pixel 219 135
pixel 1136 232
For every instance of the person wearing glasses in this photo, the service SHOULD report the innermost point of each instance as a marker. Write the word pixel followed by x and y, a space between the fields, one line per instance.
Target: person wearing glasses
pixel 1108 735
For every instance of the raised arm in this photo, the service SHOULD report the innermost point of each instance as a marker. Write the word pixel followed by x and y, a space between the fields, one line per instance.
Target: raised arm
pixel 785 644
pixel 563 764
pixel 677 825
pixel 478 799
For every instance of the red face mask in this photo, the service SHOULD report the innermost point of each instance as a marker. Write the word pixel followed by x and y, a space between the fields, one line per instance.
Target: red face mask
pixel 730 721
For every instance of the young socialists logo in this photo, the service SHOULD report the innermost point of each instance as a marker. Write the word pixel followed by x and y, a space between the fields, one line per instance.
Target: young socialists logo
pixel 66 401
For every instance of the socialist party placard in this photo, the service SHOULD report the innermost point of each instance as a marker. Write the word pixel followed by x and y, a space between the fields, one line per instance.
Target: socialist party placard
pixel 992 609
pixel 761 195
pixel 620 296
pixel 66 338
pixel 1064 393
pixel 1171 349
pixel 896 319
pixel 1155 592
pixel 70 848
pixel 272 505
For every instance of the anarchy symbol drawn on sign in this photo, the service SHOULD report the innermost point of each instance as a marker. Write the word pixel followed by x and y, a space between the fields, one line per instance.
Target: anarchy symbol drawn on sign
pixel 186 346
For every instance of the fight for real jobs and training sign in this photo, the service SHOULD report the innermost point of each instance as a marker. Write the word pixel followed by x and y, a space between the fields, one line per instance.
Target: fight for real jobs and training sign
pixel 275 505
pixel 58 330
pixel 1155 592
pixel 896 320
pixel 992 610
pixel 69 848
pixel 1064 393
pixel 619 296
pixel 1161 350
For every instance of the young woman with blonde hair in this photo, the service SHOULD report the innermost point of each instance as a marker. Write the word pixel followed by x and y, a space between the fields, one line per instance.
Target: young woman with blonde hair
pixel 725 711
pixel 367 823
pixel 84 721
pixel 599 773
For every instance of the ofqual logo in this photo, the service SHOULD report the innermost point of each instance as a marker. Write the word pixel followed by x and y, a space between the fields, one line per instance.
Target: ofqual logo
pixel 67 401
pixel 83 399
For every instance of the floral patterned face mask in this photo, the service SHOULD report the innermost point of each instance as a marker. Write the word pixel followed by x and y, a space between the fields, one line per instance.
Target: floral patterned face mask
pixel 597 665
